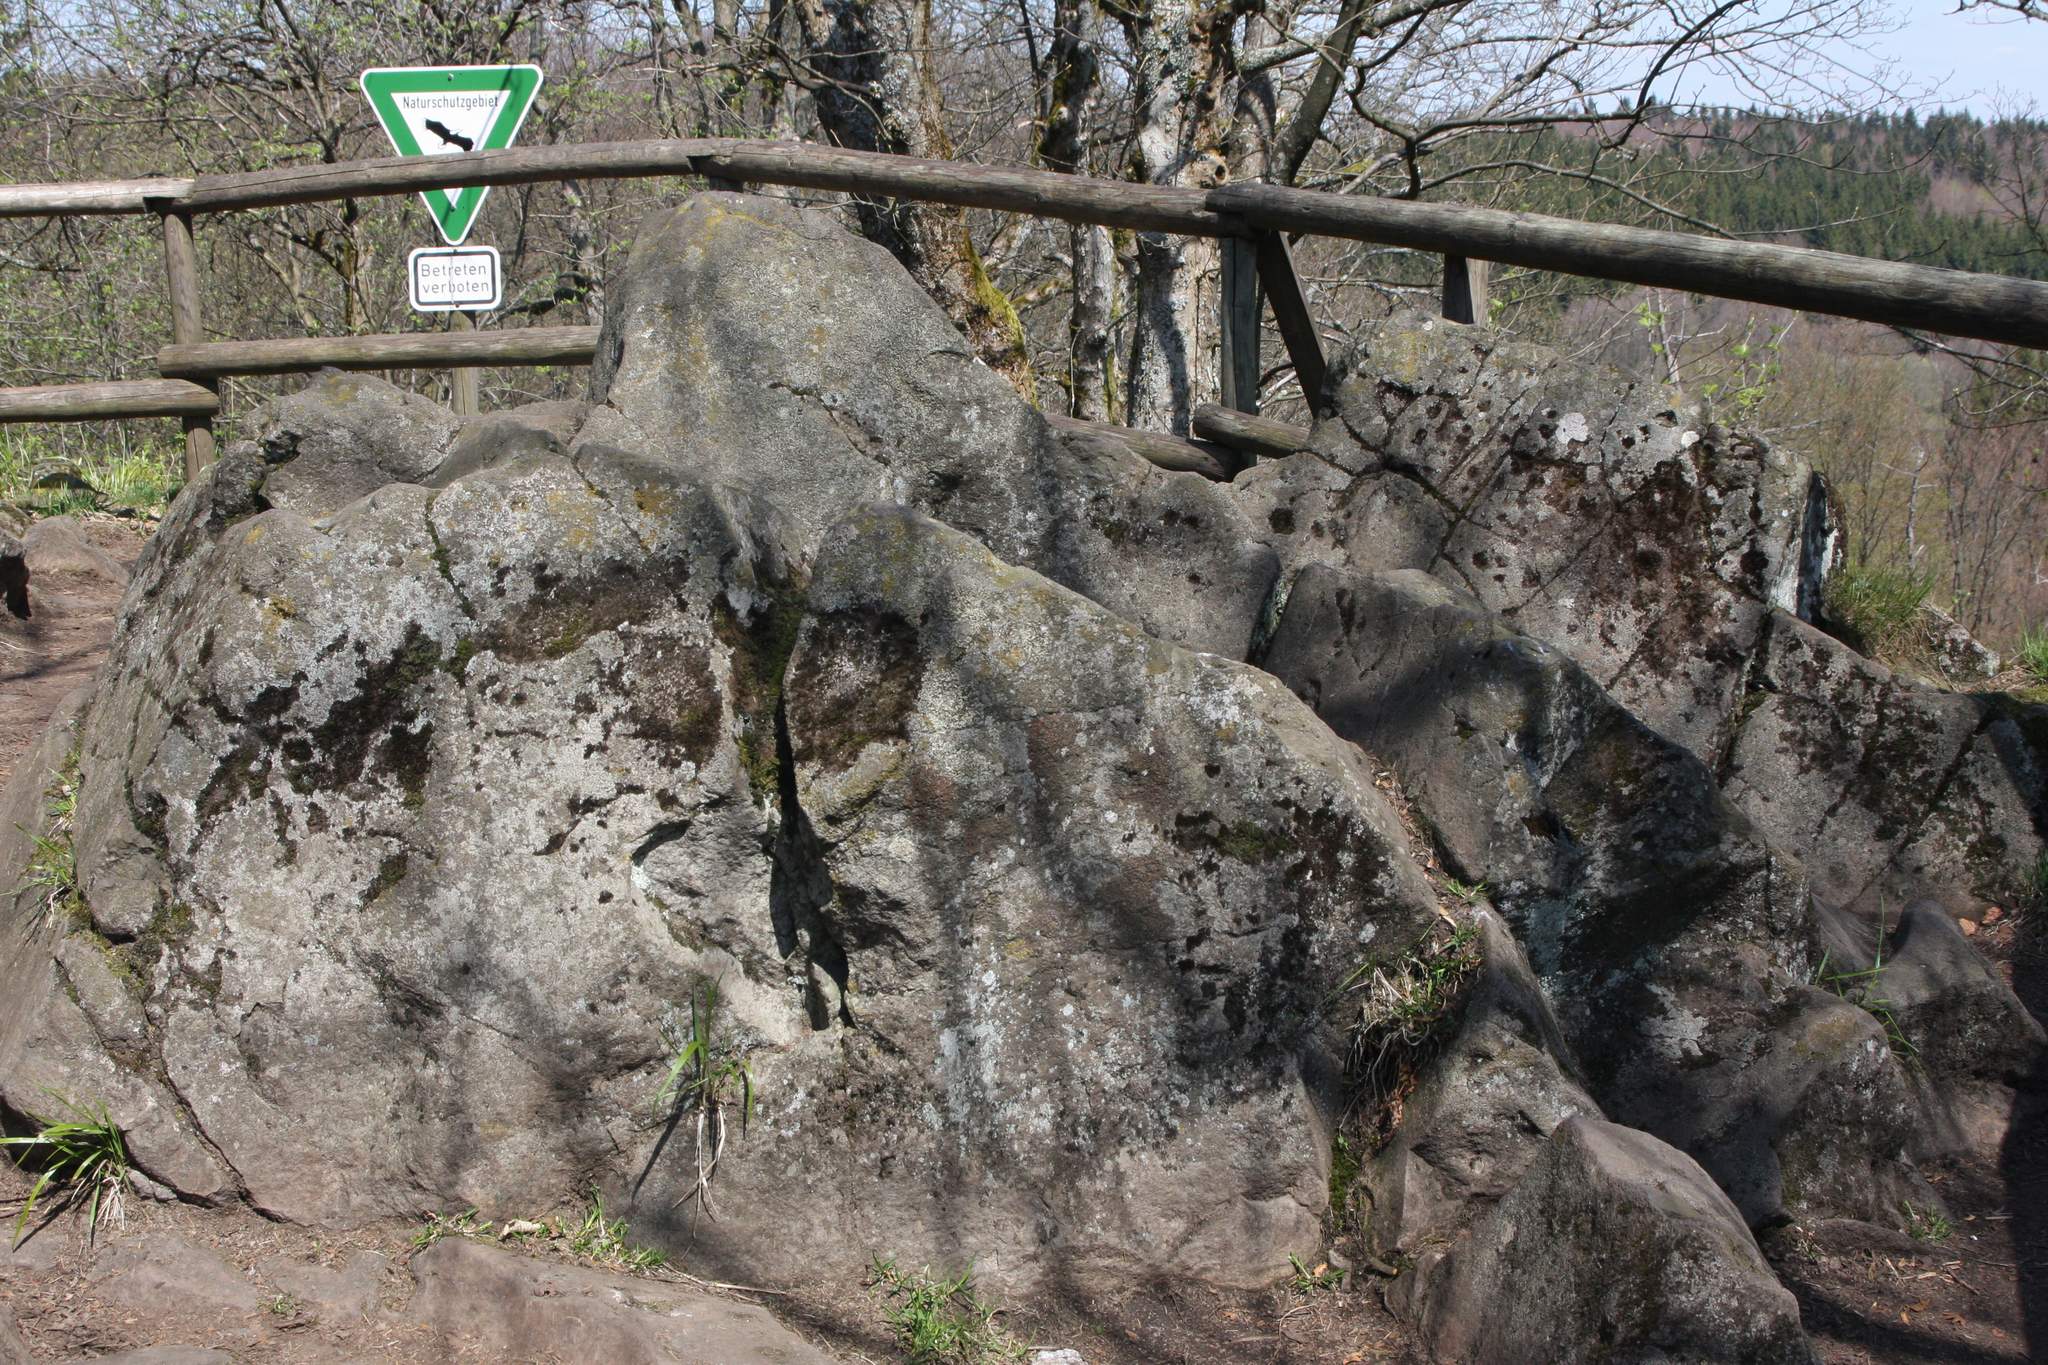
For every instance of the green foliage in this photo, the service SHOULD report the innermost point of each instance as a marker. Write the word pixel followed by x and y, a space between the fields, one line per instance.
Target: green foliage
pixel 941 1321
pixel 47 476
pixel 604 1241
pixel 1861 989
pixel 1926 1225
pixel 595 1238
pixel 1880 607
pixel 438 1225
pixel 705 1078
pixel 53 861
pixel 83 1154
pixel 2037 885
pixel 1322 1279
pixel 1468 894
pixel 2033 654
pixel 1402 1003
pixel 1344 1166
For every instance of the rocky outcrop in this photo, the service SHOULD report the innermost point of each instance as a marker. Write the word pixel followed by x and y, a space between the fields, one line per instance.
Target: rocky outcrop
pixel 1673 941
pixel 806 796
pixel 1575 504
pixel 763 346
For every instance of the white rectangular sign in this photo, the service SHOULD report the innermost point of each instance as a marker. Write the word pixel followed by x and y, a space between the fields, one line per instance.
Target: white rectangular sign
pixel 445 279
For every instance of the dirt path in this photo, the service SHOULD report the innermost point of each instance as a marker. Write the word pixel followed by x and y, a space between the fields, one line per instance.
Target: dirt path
pixel 61 644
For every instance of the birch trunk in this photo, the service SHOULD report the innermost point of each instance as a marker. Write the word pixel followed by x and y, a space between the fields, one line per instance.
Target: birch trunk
pixel 1183 72
pixel 1073 79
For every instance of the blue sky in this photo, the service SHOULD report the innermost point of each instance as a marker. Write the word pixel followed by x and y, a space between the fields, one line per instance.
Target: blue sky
pixel 1936 56
pixel 1971 57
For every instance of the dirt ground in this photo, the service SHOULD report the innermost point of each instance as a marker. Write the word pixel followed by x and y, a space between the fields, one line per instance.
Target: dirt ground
pixel 1976 1293
pixel 61 644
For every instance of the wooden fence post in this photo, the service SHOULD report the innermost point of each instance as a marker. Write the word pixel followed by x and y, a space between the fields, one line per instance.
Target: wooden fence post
pixel 462 380
pixel 181 269
pixel 1291 315
pixel 1464 297
pixel 1240 329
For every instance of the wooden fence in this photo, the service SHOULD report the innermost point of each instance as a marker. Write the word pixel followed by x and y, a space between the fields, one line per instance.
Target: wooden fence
pixel 1253 221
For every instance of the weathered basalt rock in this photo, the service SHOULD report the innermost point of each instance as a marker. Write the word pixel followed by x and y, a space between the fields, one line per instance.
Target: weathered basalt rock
pixel 441 801
pixel 1889 790
pixel 341 437
pixel 1076 902
pixel 1613 1244
pixel 1673 941
pixel 1577 505
pixel 762 345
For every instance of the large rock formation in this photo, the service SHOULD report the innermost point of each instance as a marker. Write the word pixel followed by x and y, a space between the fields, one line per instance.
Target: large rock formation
pixel 1012 824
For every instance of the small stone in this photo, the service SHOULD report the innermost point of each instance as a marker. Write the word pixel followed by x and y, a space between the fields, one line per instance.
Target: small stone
pixel 150 1189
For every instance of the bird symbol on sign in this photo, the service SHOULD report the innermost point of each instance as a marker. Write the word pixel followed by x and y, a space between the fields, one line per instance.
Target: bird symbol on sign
pixel 448 136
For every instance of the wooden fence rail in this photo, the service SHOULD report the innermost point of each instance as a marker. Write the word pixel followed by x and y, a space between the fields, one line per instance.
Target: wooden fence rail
pixel 1254 219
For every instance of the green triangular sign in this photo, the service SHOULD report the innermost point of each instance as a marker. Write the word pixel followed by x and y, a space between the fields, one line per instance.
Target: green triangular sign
pixel 438 110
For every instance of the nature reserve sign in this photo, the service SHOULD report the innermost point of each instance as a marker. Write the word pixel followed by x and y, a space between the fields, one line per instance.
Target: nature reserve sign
pixel 438 110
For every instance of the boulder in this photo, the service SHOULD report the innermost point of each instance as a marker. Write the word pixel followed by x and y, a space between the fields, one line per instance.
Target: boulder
pixel 764 346
pixel 1673 941
pixel 1955 653
pixel 1617 1245
pixel 1072 905
pixel 1888 790
pixel 447 801
pixel 1485 1102
pixel 502 1305
pixel 339 438
pixel 506 436
pixel 61 545
pixel 1574 503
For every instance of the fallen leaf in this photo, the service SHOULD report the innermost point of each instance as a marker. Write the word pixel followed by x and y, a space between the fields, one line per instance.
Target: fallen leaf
pixel 1903 1318
pixel 1968 926
pixel 1920 1307
pixel 1992 914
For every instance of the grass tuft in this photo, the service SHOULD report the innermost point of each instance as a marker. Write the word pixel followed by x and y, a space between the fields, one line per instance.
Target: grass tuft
pixel 708 1078
pixel 941 1321
pixel 1401 1005
pixel 1323 1279
pixel 595 1238
pixel 1880 608
pixel 2033 654
pixel 603 1240
pixel 53 860
pixel 1926 1225
pixel 83 1155
pixel 1860 988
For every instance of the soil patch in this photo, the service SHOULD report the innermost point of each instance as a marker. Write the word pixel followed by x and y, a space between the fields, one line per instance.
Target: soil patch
pixel 60 646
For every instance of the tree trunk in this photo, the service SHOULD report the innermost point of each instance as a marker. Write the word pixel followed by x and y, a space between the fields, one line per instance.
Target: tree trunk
pixel 1073 78
pixel 1183 71
pixel 878 94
